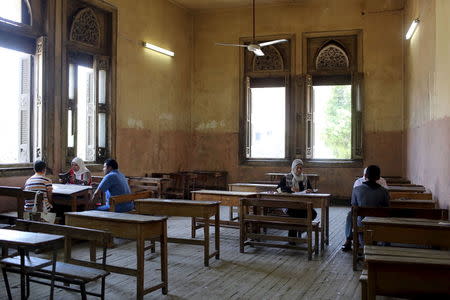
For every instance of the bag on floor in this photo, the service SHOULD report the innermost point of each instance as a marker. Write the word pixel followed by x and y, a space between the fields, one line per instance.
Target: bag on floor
pixel 43 216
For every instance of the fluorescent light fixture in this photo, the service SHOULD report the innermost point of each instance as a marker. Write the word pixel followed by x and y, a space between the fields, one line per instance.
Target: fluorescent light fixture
pixel 412 28
pixel 158 49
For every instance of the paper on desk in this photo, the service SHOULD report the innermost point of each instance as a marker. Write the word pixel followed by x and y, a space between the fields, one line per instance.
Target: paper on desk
pixel 444 223
pixel 300 193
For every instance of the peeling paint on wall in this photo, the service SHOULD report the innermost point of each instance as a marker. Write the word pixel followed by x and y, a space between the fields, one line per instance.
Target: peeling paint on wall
pixel 138 124
pixel 211 125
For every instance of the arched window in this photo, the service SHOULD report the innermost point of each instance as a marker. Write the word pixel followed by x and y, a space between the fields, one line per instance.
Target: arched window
pixel 16 10
pixel 332 57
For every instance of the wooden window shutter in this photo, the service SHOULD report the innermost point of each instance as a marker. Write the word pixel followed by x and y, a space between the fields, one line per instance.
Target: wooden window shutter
pixel 248 123
pixel 25 111
pixel 102 102
pixel 357 115
pixel 41 46
pixel 309 118
pixel 90 116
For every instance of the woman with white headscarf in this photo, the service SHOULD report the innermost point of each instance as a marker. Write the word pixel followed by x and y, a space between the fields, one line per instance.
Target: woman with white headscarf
pixel 296 181
pixel 81 174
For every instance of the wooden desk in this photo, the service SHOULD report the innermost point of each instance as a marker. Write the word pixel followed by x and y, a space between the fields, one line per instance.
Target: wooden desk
pixel 226 198
pixel 313 178
pixel 406 272
pixel 252 187
pixel 158 185
pixel 412 203
pixel 187 208
pixel 395 179
pixel 129 226
pixel 402 188
pixel 26 241
pixel 63 191
pixel 321 201
pixel 410 195
pixel 407 231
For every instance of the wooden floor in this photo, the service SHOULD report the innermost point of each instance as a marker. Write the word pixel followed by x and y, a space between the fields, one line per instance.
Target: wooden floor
pixel 260 273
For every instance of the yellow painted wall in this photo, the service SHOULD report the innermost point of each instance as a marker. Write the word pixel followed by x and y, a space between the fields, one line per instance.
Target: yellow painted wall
pixel 215 107
pixel 154 91
pixel 427 93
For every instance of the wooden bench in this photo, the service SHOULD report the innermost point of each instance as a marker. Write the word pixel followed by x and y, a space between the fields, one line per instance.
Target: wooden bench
pixel 412 203
pixel 251 224
pixel 187 208
pixel 20 195
pixel 410 195
pixel 406 273
pixel 157 185
pixel 114 200
pixel 388 212
pixel 71 271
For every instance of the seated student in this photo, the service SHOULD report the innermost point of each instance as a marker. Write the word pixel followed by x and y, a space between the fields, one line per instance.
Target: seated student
pixel 113 184
pixel 39 182
pixel 369 194
pixel 292 182
pixel 79 174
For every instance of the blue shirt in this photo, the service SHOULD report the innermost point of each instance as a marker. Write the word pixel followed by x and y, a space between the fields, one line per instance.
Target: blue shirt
pixel 115 184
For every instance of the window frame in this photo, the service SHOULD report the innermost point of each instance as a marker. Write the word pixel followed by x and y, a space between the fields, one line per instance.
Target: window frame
pixel 305 82
pixel 30 38
pixel 108 52
pixel 244 114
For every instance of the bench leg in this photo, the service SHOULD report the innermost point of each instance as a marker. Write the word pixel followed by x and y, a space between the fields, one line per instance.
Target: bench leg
pixel 8 289
pixel 27 280
pixel 83 291
pixel 364 290
pixel 217 232
pixel 206 237
pixel 316 241
pixel 193 228
pixel 102 297
pixel 309 233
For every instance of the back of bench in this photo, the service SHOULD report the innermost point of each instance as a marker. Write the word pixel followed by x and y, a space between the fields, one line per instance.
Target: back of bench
pixel 138 184
pixel 20 195
pixel 394 212
pixel 258 215
pixel 99 236
pixel 410 195
pixel 114 200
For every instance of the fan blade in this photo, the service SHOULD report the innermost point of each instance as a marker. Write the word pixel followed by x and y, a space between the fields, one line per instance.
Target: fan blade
pixel 272 42
pixel 258 52
pixel 234 45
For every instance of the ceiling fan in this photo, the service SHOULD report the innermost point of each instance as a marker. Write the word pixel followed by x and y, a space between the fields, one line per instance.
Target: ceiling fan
pixel 253 46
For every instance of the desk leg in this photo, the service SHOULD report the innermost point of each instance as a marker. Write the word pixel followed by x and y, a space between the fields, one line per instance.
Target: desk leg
pixel 327 232
pixel 217 231
pixel 140 244
pixel 193 227
pixel 323 225
pixel 22 273
pixel 206 237
pixel 164 262
pixel 52 281
pixel 74 203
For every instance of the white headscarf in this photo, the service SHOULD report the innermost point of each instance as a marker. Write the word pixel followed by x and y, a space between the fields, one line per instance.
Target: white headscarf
pixel 297 178
pixel 82 169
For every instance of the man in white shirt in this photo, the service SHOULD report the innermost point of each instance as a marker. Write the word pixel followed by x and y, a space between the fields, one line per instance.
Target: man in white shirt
pixel 362 179
pixel 348 221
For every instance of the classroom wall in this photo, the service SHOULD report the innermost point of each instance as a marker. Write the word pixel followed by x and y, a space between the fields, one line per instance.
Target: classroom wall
pixel 427 97
pixel 154 91
pixel 215 105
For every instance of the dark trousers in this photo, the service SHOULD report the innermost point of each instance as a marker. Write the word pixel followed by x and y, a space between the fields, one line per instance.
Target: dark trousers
pixel 299 213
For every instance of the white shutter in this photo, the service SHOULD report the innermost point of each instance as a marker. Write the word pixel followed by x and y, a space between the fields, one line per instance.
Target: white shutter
pixel 309 118
pixel 38 98
pixel 248 125
pixel 90 117
pixel 25 110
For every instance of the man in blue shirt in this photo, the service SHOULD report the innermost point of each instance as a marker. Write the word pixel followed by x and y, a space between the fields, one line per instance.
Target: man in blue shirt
pixel 113 184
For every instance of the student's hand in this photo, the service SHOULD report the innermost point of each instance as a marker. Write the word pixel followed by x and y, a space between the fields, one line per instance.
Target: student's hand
pixel 309 191
pixel 295 190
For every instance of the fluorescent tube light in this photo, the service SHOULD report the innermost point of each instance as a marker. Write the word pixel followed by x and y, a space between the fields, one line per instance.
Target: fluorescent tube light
pixel 412 28
pixel 158 49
